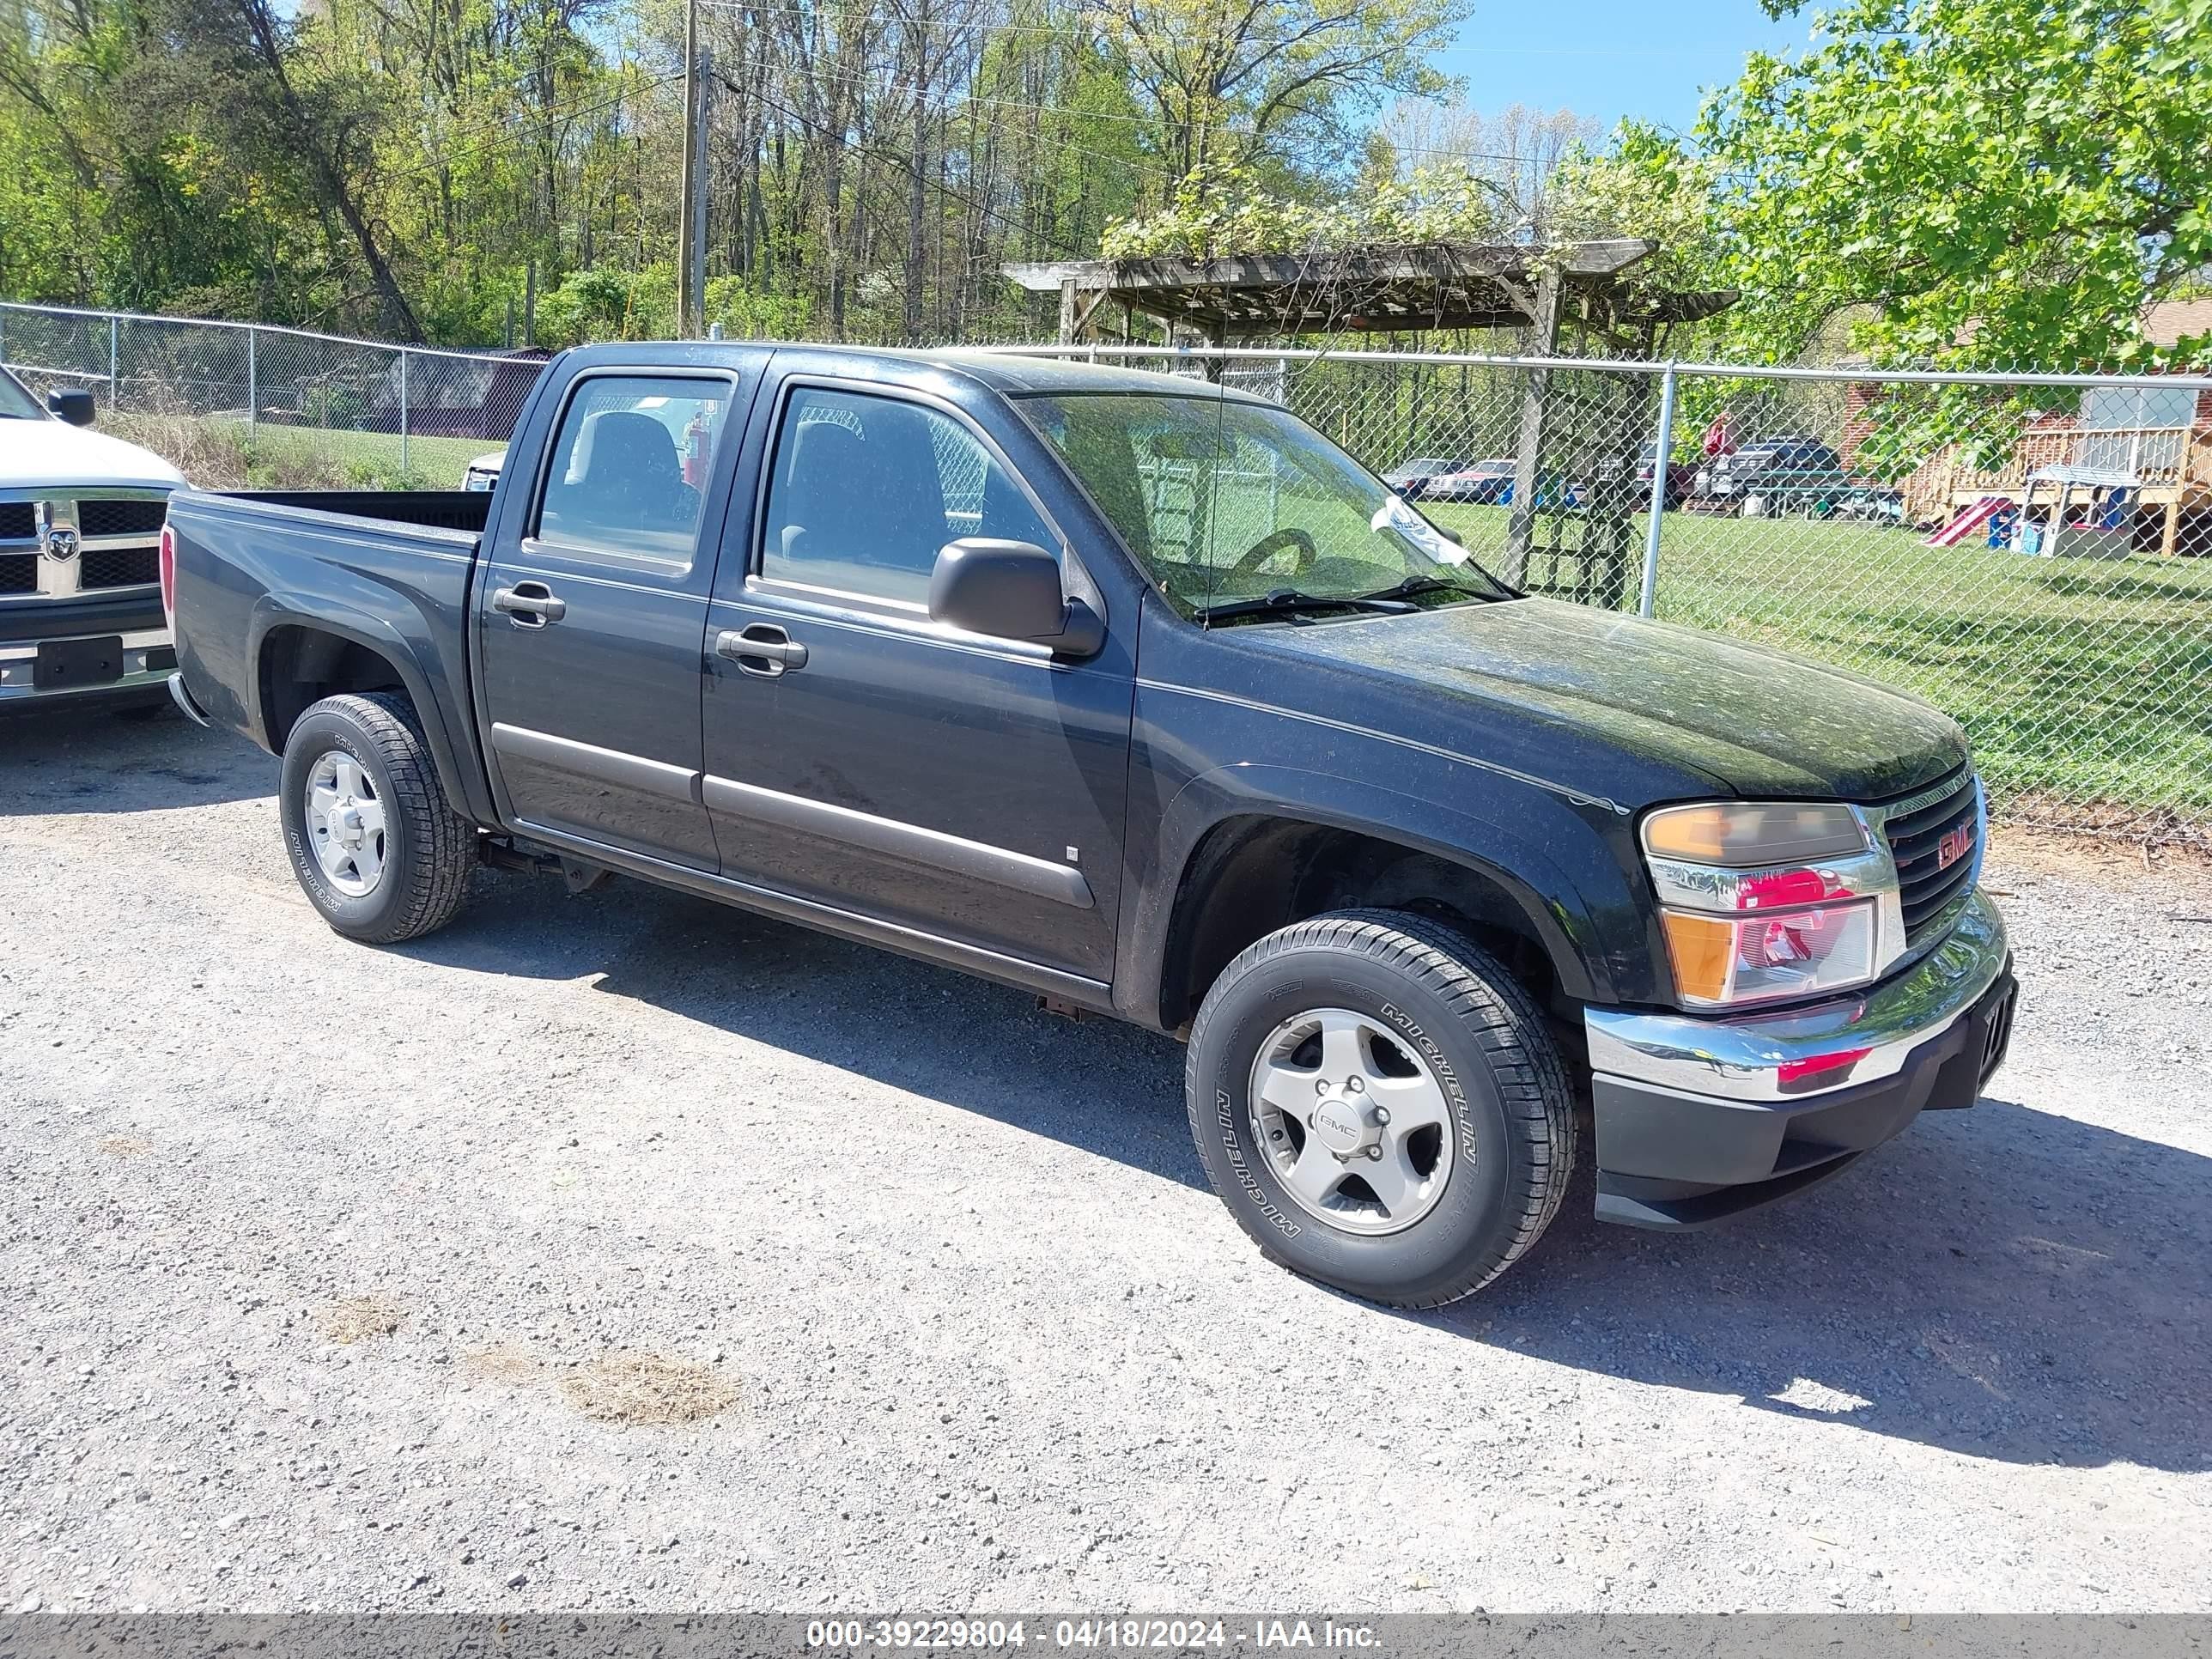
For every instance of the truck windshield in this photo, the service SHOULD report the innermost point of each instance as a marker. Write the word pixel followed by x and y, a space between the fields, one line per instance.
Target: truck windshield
pixel 1241 510
pixel 15 402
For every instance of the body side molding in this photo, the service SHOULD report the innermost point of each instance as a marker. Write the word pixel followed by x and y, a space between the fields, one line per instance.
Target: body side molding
pixel 614 766
pixel 979 860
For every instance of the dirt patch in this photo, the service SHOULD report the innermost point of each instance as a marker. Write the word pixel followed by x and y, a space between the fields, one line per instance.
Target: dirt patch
pixel 2181 873
pixel 124 1146
pixel 502 1362
pixel 358 1318
pixel 648 1389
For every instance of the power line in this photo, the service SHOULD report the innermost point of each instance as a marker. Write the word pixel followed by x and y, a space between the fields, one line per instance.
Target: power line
pixel 942 188
pixel 498 130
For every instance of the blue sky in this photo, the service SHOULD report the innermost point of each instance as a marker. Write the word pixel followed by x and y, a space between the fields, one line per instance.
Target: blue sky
pixel 1611 58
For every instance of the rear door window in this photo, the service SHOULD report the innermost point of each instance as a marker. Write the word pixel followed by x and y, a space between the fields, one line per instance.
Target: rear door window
pixel 631 464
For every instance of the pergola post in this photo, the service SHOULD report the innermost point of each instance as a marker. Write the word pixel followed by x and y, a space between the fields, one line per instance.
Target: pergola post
pixel 1520 528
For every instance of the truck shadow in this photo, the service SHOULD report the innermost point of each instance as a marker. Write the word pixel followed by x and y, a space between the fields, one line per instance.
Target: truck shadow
pixel 929 1030
pixel 2004 1283
pixel 58 761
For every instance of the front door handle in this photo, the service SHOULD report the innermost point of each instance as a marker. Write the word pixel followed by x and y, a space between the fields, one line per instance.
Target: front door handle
pixel 529 605
pixel 762 648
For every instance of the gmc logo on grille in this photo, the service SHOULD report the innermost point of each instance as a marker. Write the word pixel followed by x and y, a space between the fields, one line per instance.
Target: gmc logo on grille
pixel 1958 842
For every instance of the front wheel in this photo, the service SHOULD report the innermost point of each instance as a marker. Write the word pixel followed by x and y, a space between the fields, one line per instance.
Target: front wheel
pixel 375 844
pixel 1378 1102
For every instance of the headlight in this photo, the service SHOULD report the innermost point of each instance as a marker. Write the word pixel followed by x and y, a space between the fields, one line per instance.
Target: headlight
pixel 1753 834
pixel 1760 902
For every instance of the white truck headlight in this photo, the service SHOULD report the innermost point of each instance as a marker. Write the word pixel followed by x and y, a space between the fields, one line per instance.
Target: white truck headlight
pixel 1764 901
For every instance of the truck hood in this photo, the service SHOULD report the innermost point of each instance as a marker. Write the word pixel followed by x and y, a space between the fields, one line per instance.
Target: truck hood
pixel 1758 721
pixel 48 454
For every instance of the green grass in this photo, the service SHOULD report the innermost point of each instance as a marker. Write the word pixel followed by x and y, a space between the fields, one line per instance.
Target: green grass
pixel 222 453
pixel 2085 684
pixel 438 462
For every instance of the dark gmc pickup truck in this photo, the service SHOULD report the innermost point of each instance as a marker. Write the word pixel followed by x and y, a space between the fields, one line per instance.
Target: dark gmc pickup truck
pixel 1140 693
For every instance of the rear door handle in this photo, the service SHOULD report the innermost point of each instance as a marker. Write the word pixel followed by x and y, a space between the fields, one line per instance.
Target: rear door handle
pixel 761 648
pixel 529 605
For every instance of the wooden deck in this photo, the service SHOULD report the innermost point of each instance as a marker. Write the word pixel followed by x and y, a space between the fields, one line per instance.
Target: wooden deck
pixel 2172 466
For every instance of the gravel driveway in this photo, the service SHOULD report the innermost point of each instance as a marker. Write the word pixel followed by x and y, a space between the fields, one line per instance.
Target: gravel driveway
pixel 622 1251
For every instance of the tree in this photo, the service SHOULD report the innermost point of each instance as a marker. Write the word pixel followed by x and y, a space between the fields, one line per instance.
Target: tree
pixel 1519 148
pixel 1996 181
pixel 1224 77
pixel 328 122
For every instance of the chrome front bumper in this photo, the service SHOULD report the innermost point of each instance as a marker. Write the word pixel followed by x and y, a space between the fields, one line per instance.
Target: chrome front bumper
pixel 1788 1056
pixel 1698 1120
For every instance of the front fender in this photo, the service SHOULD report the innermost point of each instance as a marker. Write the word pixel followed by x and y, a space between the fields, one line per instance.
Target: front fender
pixel 273 610
pixel 1552 856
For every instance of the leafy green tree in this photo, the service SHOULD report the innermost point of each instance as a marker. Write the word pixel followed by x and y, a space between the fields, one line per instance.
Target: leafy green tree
pixel 2004 182
pixel 1228 79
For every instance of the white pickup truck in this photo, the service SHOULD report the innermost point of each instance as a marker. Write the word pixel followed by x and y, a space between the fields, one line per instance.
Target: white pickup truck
pixel 81 517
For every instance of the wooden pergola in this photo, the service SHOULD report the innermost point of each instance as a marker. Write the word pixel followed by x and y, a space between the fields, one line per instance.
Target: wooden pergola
pixel 1404 290
pixel 1441 285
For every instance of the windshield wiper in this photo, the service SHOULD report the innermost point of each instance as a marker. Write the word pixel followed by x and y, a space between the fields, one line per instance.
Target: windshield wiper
pixel 1282 601
pixel 1414 586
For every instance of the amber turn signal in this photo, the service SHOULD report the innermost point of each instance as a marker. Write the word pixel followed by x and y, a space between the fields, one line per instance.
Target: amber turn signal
pixel 1700 948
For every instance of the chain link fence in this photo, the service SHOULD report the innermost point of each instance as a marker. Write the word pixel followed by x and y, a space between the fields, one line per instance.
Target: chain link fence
pixel 2032 553
pixel 239 405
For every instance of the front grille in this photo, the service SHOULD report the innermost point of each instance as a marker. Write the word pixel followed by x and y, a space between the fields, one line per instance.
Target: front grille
pixel 19 572
pixel 118 566
pixel 1916 839
pixel 19 521
pixel 120 518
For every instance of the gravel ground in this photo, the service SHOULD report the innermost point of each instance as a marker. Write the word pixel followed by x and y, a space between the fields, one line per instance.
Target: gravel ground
pixel 623 1252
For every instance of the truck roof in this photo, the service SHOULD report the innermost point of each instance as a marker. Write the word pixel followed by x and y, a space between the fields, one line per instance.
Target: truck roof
pixel 1011 372
pixel 1006 373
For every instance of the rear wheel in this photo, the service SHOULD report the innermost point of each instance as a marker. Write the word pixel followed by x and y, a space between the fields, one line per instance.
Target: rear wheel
pixel 376 846
pixel 1380 1105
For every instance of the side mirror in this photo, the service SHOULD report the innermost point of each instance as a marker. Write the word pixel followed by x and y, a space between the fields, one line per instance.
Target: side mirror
pixel 1010 591
pixel 73 404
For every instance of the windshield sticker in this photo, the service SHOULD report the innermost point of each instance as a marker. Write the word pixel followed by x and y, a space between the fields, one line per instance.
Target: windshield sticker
pixel 1395 515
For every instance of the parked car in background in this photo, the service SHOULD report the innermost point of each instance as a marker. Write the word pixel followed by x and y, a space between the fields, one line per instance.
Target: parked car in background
pixel 1427 872
pixel 1475 483
pixel 1411 479
pixel 1786 474
pixel 483 471
pixel 80 516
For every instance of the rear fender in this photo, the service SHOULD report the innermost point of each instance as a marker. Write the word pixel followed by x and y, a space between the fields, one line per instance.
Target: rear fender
pixel 463 780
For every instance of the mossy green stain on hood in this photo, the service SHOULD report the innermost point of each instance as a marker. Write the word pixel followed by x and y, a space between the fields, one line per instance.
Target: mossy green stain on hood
pixel 1765 723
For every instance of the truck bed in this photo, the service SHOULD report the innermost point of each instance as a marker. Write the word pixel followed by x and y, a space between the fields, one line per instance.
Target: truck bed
pixel 388 570
pixel 433 509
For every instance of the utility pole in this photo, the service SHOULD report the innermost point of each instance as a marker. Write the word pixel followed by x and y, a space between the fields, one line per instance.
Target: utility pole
pixel 695 226
pixel 689 279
